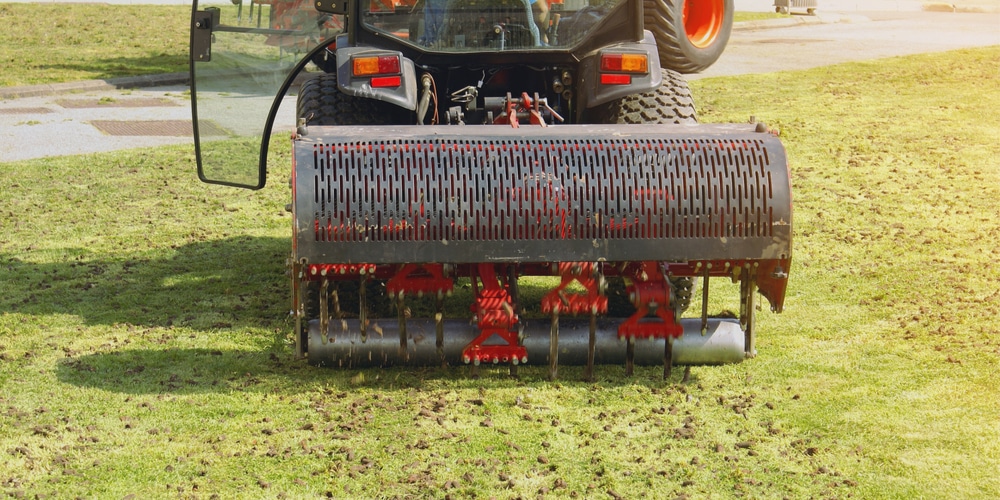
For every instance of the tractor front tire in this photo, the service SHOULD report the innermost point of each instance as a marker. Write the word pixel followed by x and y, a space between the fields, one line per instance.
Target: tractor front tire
pixel 690 34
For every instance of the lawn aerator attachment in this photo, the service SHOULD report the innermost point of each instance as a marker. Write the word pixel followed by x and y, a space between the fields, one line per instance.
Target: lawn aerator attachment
pixel 536 164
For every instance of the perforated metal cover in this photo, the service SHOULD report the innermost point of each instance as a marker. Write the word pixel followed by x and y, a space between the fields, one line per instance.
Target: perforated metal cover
pixel 563 193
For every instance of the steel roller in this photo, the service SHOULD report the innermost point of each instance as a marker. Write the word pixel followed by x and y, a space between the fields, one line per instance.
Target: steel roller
pixel 343 347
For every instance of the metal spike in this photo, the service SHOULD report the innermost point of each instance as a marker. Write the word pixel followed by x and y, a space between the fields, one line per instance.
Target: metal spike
pixel 704 304
pixel 629 356
pixel 668 357
pixel 300 338
pixel 363 310
pixel 401 310
pixel 515 299
pixel 588 374
pixel 554 346
pixel 335 298
pixel 324 309
pixel 748 290
pixel 439 331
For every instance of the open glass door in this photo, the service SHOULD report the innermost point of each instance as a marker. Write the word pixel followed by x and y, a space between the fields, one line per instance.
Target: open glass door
pixel 241 53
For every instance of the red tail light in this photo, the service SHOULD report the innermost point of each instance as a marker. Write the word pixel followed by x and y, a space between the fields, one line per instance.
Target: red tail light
pixel 612 79
pixel 625 63
pixel 387 81
pixel 375 65
pixel 618 68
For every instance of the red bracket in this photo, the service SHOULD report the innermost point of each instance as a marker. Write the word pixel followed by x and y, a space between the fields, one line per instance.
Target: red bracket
pixel 650 292
pixel 420 279
pixel 525 103
pixel 771 275
pixel 497 323
pixel 590 302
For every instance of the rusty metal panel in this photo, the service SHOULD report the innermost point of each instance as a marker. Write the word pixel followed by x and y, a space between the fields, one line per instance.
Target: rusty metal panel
pixel 131 102
pixel 25 111
pixel 563 193
pixel 158 128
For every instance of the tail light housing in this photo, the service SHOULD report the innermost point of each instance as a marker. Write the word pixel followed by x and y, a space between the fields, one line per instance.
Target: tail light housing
pixel 617 68
pixel 384 70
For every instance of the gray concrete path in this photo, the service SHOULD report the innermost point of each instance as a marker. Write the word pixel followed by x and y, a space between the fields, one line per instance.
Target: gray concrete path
pixel 88 117
pixel 91 121
pixel 852 36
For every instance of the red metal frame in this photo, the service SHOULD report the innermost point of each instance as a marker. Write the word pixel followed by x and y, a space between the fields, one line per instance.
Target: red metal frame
pixel 592 301
pixel 525 103
pixel 771 275
pixel 333 270
pixel 496 319
pixel 420 279
pixel 650 292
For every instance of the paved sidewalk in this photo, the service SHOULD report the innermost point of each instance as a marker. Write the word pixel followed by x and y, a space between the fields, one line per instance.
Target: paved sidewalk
pixel 88 121
pixel 96 116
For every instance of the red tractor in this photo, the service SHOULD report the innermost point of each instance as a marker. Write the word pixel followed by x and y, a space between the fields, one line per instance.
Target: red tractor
pixel 446 145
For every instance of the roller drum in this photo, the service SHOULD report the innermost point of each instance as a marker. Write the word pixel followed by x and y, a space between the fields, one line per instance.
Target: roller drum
pixel 343 347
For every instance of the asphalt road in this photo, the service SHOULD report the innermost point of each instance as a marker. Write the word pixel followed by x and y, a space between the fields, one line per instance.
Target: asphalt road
pixel 86 121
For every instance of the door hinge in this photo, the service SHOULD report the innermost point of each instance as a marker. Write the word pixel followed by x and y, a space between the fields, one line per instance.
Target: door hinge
pixel 201 33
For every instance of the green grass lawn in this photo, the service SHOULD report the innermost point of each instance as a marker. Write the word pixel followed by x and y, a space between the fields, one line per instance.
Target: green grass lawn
pixel 739 17
pixel 144 335
pixel 51 43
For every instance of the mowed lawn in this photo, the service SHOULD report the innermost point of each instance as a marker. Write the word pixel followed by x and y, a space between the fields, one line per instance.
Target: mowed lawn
pixel 144 333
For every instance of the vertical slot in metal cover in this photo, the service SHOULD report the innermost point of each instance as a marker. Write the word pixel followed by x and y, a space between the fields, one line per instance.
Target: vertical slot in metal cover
pixel 540 189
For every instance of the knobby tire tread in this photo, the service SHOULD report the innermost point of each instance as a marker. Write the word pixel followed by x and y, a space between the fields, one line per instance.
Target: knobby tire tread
pixel 320 102
pixel 671 102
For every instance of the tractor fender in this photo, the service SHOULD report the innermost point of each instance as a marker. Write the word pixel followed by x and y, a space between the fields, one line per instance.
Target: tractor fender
pixel 593 93
pixel 404 95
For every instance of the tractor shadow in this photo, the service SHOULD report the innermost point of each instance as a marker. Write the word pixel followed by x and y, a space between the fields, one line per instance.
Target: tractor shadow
pixel 110 68
pixel 186 371
pixel 216 289
pixel 234 282
pixel 232 286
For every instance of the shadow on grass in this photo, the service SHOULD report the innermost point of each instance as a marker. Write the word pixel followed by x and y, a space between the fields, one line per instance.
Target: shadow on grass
pixel 233 286
pixel 206 285
pixel 174 370
pixel 121 67
pixel 180 371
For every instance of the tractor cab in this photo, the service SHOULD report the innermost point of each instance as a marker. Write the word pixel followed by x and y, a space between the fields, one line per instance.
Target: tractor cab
pixel 246 60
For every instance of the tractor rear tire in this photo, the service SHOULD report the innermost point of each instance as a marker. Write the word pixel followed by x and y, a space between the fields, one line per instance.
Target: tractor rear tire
pixel 690 34
pixel 320 102
pixel 671 102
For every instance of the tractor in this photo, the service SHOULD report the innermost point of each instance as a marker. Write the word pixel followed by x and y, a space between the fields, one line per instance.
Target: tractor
pixel 471 150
